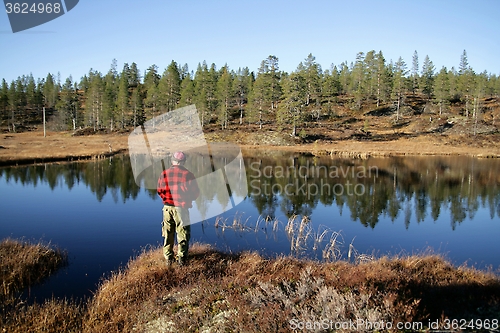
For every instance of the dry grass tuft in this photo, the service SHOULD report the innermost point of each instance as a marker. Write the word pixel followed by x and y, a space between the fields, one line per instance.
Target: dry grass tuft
pixel 325 241
pixel 51 316
pixel 24 264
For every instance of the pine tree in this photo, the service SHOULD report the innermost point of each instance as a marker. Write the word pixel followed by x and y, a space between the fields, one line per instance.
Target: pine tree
pixel 427 78
pixel 414 73
pixel 358 80
pixel 291 110
pixel 39 94
pixel 224 95
pixel 442 89
pixel 134 76
pixel 211 90
pixel 66 106
pixel 151 79
pixel 497 87
pixel 495 83
pixel 311 71
pixel 184 71
pixel 266 90
pixel 330 87
pixel 31 92
pixel 136 95
pixel 4 99
pixel 453 80
pixel 480 90
pixel 123 94
pixel 273 75
pixel 21 93
pixel 490 87
pixel 187 91
pixel 94 99
pixel 399 73
pixel 345 78
pixel 50 91
pixel 84 83
pixel 258 95
pixel 371 69
pixel 109 108
pixel 256 102
pixel 464 63
pixel 13 105
pixel 17 98
pixel 169 88
pixel 242 84
pixel 383 79
pixel 465 81
pixel 205 82
pixel 200 96
pixel 137 104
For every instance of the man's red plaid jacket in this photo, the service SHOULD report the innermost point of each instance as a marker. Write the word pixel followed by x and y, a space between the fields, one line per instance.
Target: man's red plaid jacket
pixel 177 186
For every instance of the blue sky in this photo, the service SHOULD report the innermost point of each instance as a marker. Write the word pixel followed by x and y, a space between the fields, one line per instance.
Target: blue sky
pixel 243 33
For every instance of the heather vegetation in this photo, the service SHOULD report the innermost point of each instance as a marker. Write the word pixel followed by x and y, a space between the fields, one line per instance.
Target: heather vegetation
pixel 218 292
pixel 228 98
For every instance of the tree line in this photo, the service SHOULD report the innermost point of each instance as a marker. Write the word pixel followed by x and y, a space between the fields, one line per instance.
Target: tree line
pixel 119 100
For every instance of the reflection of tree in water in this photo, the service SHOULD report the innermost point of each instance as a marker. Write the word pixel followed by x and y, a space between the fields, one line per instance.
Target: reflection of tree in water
pixel 101 176
pixel 410 187
pixel 266 204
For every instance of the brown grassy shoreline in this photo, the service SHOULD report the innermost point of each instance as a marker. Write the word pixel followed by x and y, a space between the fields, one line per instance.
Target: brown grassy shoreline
pixel 24 264
pixel 33 148
pixel 219 292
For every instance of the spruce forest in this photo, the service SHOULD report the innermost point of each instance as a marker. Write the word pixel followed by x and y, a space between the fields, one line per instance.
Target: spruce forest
pixel 224 97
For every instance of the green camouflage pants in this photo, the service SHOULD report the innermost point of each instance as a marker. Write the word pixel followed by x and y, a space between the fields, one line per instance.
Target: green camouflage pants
pixel 175 219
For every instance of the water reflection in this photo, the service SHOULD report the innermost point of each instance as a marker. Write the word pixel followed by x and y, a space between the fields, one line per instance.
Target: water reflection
pixel 112 175
pixel 296 184
pixel 393 187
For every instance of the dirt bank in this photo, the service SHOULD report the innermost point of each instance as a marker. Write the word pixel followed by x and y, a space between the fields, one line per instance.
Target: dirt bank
pixel 426 145
pixel 33 147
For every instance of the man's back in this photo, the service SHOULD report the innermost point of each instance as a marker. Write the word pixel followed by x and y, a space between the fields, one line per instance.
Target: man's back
pixel 177 186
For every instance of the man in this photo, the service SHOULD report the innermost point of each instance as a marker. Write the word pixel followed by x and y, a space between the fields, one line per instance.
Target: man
pixel 178 188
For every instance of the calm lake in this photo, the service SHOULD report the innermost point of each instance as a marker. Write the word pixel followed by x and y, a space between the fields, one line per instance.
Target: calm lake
pixel 322 208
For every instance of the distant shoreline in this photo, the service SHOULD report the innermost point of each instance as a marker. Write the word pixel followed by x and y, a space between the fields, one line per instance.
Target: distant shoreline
pixel 33 148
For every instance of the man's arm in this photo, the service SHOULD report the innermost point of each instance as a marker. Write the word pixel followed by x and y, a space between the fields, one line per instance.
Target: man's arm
pixel 161 188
